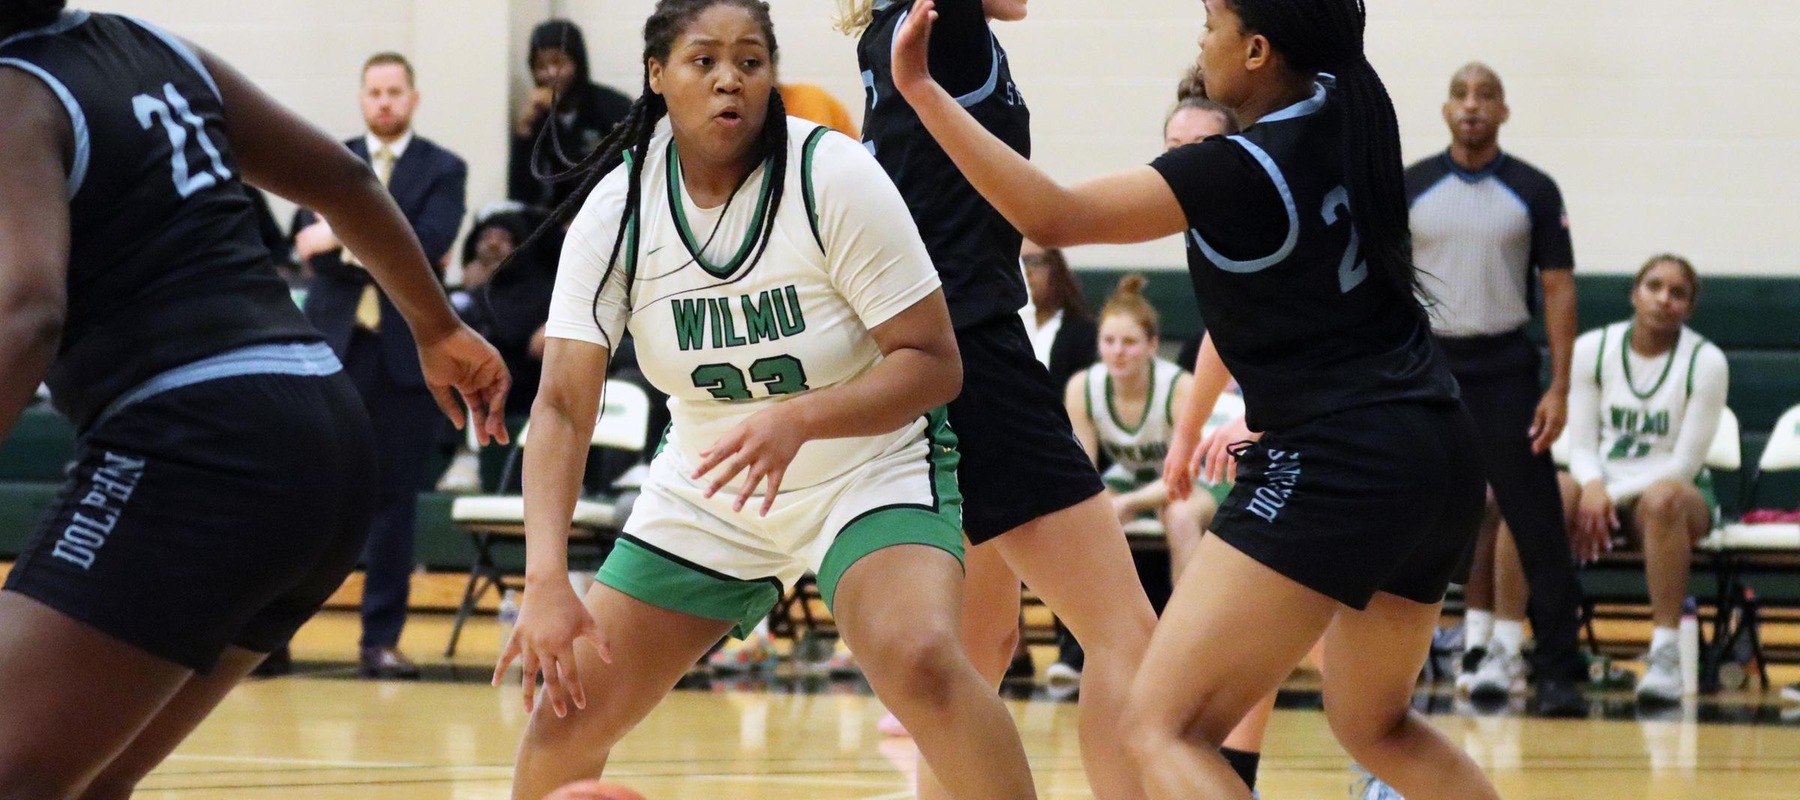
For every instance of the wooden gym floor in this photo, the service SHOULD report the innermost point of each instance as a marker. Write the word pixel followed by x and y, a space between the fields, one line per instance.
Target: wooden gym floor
pixel 322 733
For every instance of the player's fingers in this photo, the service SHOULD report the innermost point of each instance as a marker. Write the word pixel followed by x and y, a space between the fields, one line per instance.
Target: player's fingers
pixel 710 458
pixel 556 690
pixel 599 642
pixel 771 488
pixel 528 685
pixel 571 672
pixel 507 655
pixel 727 472
pixel 446 402
pixel 496 407
pixel 751 479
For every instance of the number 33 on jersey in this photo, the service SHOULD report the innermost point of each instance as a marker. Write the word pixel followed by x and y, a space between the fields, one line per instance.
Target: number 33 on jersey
pixel 725 337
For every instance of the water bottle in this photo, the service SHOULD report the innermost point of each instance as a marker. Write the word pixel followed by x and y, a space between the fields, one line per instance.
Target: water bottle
pixel 508 617
pixel 1688 641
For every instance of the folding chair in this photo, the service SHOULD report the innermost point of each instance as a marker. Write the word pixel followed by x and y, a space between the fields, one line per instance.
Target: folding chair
pixel 498 520
pixel 1736 545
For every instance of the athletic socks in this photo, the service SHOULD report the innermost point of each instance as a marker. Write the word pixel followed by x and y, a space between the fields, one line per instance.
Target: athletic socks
pixel 1511 633
pixel 1244 763
pixel 1662 636
pixel 1478 627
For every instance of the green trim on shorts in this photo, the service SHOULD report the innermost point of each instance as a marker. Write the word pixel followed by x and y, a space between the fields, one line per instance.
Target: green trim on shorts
pixel 1710 493
pixel 668 581
pixel 939 525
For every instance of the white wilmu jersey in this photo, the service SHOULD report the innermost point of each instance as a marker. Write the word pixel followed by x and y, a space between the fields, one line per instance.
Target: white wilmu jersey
pixel 1643 402
pixel 1136 452
pixel 725 338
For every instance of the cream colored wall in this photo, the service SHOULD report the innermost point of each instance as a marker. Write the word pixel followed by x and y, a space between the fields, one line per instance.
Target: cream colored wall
pixel 309 53
pixel 1670 126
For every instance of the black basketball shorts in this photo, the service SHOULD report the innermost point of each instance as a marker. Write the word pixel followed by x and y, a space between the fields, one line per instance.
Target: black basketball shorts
pixel 1020 459
pixel 219 509
pixel 1382 498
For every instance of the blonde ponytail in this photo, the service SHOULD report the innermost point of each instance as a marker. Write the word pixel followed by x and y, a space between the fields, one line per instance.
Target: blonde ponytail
pixel 854 16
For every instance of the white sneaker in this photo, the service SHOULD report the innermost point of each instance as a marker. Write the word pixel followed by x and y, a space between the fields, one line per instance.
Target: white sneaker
pixel 463 475
pixel 1661 682
pixel 1369 787
pixel 1501 674
pixel 1060 674
pixel 1791 692
pixel 1467 665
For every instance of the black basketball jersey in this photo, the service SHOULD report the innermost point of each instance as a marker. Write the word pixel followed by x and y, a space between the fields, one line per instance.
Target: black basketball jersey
pixel 1281 279
pixel 165 263
pixel 975 249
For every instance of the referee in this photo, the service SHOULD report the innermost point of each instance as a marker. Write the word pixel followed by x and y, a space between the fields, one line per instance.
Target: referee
pixel 1483 224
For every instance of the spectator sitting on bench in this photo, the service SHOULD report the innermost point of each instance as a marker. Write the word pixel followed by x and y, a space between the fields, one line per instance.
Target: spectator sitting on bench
pixel 1646 398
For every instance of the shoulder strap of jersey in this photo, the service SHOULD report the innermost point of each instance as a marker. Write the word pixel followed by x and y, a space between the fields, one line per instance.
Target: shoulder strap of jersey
pixel 806 181
pixel 1600 356
pixel 1174 381
pixel 1087 394
pixel 1694 361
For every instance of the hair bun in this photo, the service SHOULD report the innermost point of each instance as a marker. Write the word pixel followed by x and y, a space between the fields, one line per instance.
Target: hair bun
pixel 1132 284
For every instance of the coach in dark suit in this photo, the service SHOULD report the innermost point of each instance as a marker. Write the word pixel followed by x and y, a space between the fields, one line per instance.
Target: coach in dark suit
pixel 377 348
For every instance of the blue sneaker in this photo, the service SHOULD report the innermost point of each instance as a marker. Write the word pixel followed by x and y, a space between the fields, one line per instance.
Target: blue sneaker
pixel 1369 787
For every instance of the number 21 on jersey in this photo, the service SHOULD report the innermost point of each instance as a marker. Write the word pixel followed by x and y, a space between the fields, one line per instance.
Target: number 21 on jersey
pixel 151 109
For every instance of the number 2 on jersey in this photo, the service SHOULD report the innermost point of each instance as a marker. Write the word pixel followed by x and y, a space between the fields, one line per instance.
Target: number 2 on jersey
pixel 150 109
pixel 1351 270
pixel 778 375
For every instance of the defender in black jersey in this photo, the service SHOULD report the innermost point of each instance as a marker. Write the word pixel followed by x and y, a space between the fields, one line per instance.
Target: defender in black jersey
pixel 1027 484
pixel 1353 511
pixel 224 469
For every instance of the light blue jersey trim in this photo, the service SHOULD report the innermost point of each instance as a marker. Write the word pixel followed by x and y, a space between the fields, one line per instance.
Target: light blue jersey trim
pixel 181 49
pixel 1287 200
pixel 993 79
pixel 305 359
pixel 77 121
pixel 64 23
pixel 1310 105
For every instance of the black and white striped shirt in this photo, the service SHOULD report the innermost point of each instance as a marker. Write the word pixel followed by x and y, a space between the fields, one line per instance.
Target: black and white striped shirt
pixel 1478 238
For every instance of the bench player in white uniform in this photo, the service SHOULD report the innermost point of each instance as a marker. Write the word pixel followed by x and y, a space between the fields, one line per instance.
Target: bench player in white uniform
pixel 1645 403
pixel 776 290
pixel 1124 406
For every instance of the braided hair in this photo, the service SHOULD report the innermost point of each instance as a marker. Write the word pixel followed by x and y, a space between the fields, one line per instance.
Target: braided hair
pixel 629 141
pixel 1326 36
pixel 21 15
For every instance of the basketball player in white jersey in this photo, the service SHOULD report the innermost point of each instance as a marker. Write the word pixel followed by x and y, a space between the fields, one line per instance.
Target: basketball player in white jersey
pixel 1124 406
pixel 807 350
pixel 1646 398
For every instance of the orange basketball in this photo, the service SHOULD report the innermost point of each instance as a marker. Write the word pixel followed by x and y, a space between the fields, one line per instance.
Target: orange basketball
pixel 595 790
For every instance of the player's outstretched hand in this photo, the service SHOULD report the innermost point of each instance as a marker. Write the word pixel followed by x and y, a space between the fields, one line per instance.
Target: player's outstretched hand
pixel 551 621
pixel 912 49
pixel 466 362
pixel 760 448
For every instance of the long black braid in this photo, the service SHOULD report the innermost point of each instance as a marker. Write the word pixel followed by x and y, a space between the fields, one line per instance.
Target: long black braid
pixel 633 134
pixel 20 15
pixel 1327 36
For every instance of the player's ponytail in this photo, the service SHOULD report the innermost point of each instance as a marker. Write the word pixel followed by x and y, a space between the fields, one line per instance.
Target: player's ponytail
pixel 1128 301
pixel 1326 36
pixel 854 16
